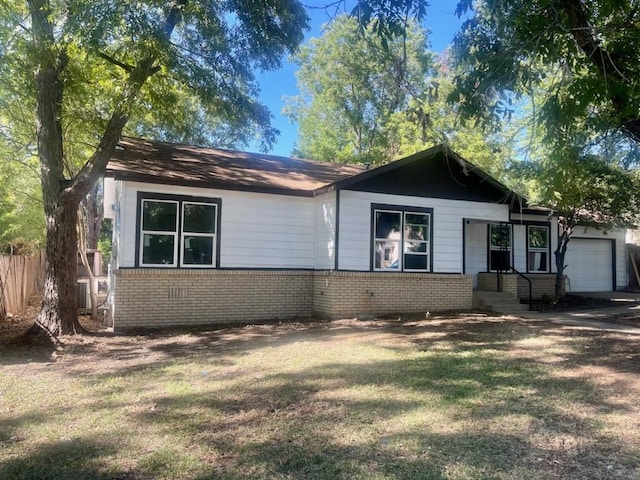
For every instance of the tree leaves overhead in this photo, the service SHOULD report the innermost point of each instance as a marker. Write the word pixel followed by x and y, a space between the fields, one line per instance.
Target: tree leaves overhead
pixel 351 87
pixel 388 19
pixel 584 52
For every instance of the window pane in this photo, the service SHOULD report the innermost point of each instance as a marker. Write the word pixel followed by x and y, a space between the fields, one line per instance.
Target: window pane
pixel 415 262
pixel 199 218
pixel 198 250
pixel 159 216
pixel 538 262
pixel 388 225
pixel 416 218
pixel 538 237
pixel 499 260
pixel 415 247
pixel 501 236
pixel 386 255
pixel 157 249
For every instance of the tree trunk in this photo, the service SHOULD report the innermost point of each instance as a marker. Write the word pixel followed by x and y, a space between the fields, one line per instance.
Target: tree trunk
pixel 560 254
pixel 59 305
pixel 61 196
pixel 93 208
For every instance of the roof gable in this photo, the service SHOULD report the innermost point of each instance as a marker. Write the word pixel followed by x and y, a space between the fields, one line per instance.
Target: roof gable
pixel 438 172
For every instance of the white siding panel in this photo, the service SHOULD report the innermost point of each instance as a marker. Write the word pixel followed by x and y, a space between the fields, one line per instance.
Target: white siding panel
pixel 520 247
pixel 257 230
pixel 475 250
pixel 325 231
pixel 355 227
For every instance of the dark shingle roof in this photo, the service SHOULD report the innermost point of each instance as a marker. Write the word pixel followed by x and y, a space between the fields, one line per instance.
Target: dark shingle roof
pixel 159 162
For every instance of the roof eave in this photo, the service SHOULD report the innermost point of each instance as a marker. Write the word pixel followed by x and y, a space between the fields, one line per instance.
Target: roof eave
pixel 132 177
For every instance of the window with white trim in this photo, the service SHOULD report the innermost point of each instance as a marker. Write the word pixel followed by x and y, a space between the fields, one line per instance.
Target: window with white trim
pixel 402 239
pixel 500 241
pixel 178 232
pixel 537 249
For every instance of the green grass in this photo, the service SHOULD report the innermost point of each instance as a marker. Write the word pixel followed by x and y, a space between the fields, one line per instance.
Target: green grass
pixel 445 399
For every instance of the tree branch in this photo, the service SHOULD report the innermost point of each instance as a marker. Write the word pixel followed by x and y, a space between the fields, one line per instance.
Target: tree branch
pixel 96 165
pixel 582 32
pixel 110 59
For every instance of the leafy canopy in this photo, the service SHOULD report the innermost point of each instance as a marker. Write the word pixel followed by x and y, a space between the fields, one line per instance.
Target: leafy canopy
pixel 583 53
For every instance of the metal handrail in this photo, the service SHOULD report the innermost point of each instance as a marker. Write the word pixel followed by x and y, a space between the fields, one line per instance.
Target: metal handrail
pixel 528 281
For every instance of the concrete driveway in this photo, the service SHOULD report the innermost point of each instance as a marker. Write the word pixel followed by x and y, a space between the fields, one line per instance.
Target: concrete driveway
pixel 596 319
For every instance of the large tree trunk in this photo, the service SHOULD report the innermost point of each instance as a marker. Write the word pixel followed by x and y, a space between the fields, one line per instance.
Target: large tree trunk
pixel 59 305
pixel 61 196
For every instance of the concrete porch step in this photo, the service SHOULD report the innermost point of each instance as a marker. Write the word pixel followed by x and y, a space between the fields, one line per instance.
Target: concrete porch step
pixel 499 302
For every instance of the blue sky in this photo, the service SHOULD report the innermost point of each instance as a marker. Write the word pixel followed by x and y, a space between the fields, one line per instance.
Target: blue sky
pixel 440 21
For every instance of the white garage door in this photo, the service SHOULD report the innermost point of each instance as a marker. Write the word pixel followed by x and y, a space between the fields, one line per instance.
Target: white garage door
pixel 589 265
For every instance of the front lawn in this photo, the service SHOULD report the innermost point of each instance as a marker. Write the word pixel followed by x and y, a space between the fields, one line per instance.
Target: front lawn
pixel 459 397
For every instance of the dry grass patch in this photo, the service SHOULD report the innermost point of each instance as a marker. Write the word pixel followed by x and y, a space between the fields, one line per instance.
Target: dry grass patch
pixel 459 397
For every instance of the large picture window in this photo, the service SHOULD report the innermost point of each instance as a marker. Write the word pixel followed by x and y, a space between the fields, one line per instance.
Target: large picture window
pixel 178 232
pixel 537 249
pixel 500 241
pixel 402 239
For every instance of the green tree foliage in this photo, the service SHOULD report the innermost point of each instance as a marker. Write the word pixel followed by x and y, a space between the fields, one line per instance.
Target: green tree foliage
pixel 365 101
pixel 583 53
pixel 351 87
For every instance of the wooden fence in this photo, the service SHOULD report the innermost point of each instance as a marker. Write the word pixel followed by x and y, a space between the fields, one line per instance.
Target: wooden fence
pixel 20 278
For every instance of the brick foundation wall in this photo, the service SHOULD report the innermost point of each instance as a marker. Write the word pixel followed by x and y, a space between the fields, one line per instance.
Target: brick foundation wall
pixel 347 294
pixel 489 281
pixel 542 284
pixel 152 298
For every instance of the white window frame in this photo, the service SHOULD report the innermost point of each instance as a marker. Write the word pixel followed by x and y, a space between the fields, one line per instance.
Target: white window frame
pixel 426 242
pixel 178 234
pixel 397 243
pixel 544 250
pixel 184 234
pixel 173 233
pixel 402 242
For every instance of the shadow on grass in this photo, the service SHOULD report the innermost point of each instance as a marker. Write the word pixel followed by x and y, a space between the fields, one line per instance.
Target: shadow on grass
pixel 72 459
pixel 304 425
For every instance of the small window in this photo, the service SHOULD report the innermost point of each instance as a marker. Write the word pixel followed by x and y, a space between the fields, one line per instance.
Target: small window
pixel 401 240
pixel 416 241
pixel 159 233
pixel 500 241
pixel 387 240
pixel 198 234
pixel 538 249
pixel 178 232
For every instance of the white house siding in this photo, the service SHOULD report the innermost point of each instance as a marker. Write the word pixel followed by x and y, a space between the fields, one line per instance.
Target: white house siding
pixel 520 247
pixel 325 231
pixel 257 230
pixel 475 249
pixel 354 237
